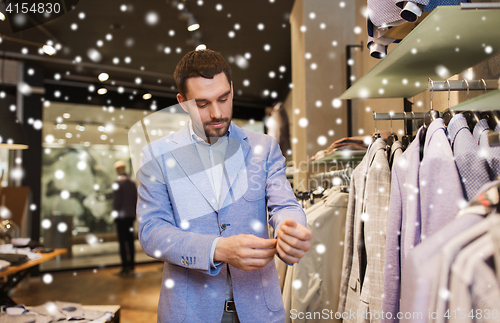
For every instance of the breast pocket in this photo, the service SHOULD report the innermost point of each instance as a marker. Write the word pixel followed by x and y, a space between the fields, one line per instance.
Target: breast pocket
pixel 256 188
pixel 257 176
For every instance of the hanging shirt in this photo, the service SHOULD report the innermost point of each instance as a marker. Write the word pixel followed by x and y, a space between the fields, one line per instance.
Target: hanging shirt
pixel 492 154
pixel 471 163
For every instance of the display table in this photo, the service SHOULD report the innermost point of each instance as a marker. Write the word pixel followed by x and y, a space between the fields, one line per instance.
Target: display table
pixel 115 309
pixel 106 308
pixel 14 274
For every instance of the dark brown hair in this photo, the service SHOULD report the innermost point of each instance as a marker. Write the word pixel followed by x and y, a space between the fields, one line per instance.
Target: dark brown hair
pixel 205 63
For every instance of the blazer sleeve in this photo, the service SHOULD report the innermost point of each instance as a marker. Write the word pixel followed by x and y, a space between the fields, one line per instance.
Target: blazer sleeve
pixel 281 201
pixel 348 245
pixel 392 272
pixel 158 233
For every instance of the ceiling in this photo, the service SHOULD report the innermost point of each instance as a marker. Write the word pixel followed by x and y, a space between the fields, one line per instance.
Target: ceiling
pixel 154 38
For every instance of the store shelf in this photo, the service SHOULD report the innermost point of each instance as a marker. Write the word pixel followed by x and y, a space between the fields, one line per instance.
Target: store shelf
pixel 341 156
pixel 448 41
pixel 488 101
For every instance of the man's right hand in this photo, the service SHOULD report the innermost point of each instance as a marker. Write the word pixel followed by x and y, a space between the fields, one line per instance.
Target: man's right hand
pixel 245 251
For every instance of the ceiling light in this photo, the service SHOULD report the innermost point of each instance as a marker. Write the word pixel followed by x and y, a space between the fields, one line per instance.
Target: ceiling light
pixel 66 116
pixel 102 91
pixel 193 24
pixel 103 77
pixel 2 16
pixel 201 47
pixel 49 50
pixel 147 96
pixel 193 27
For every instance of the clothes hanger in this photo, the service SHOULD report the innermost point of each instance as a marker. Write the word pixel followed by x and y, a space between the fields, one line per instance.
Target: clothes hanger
pixel 392 137
pixel 346 178
pixel 469 115
pixel 406 139
pixel 474 117
pixel 428 118
pixel 448 114
pixel 490 116
pixel 376 135
pixel 494 120
pixel 414 125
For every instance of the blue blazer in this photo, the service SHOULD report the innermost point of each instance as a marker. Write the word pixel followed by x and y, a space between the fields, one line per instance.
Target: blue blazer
pixel 179 218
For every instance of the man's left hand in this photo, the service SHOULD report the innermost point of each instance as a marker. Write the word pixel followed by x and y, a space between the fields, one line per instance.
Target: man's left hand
pixel 294 240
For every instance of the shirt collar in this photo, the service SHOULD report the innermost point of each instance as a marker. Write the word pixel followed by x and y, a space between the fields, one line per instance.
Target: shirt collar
pixel 479 128
pixel 456 124
pixel 195 138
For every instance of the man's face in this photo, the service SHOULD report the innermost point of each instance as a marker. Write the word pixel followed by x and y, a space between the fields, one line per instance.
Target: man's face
pixel 214 104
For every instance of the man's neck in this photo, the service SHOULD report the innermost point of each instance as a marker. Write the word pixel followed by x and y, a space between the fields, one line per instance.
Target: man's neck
pixel 203 136
pixel 209 140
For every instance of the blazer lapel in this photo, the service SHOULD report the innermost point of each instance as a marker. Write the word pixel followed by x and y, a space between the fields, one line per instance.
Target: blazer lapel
pixel 189 160
pixel 237 152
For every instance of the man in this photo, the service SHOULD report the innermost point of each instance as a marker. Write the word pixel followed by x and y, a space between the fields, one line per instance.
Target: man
pixel 124 205
pixel 203 195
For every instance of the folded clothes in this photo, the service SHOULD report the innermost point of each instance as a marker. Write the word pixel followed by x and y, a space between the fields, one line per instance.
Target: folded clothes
pixel 4 264
pixel 10 249
pixel 320 154
pixel 14 259
pixel 53 312
pixel 351 143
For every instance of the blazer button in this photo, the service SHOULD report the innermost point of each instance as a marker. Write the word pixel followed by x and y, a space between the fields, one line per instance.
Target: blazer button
pixel 223 226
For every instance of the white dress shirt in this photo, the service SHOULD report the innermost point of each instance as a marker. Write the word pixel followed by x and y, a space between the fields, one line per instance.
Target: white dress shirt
pixel 212 156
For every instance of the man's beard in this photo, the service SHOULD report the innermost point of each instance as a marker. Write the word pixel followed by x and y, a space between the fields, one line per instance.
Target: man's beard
pixel 211 132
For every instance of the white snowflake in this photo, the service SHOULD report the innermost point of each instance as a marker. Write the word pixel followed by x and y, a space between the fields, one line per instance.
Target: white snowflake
pixel 303 122
pixel 152 18
pixel 297 284
pixel 320 248
pixel 169 283
pixel 62 227
pixel 322 140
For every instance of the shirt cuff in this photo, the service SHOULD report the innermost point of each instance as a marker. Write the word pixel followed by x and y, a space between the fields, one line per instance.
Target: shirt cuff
pixel 212 254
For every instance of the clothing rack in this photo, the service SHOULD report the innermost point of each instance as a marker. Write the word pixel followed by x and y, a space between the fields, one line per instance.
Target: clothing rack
pixel 310 195
pixel 345 173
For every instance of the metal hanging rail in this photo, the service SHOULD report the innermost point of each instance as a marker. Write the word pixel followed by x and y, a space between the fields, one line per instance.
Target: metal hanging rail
pixel 398 116
pixel 463 85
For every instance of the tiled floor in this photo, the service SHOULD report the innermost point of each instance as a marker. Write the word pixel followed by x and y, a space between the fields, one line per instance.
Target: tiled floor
pixel 137 295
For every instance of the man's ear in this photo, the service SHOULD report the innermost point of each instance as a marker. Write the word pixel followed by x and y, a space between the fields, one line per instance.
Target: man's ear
pixel 232 94
pixel 183 103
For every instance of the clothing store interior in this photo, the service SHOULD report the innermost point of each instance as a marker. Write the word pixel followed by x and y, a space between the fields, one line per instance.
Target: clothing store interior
pixel 386 111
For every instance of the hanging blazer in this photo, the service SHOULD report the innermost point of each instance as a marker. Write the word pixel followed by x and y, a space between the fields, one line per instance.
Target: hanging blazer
pixel 424 198
pixel 422 263
pixel 179 218
pixel 319 292
pixel 365 237
pixel 404 204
